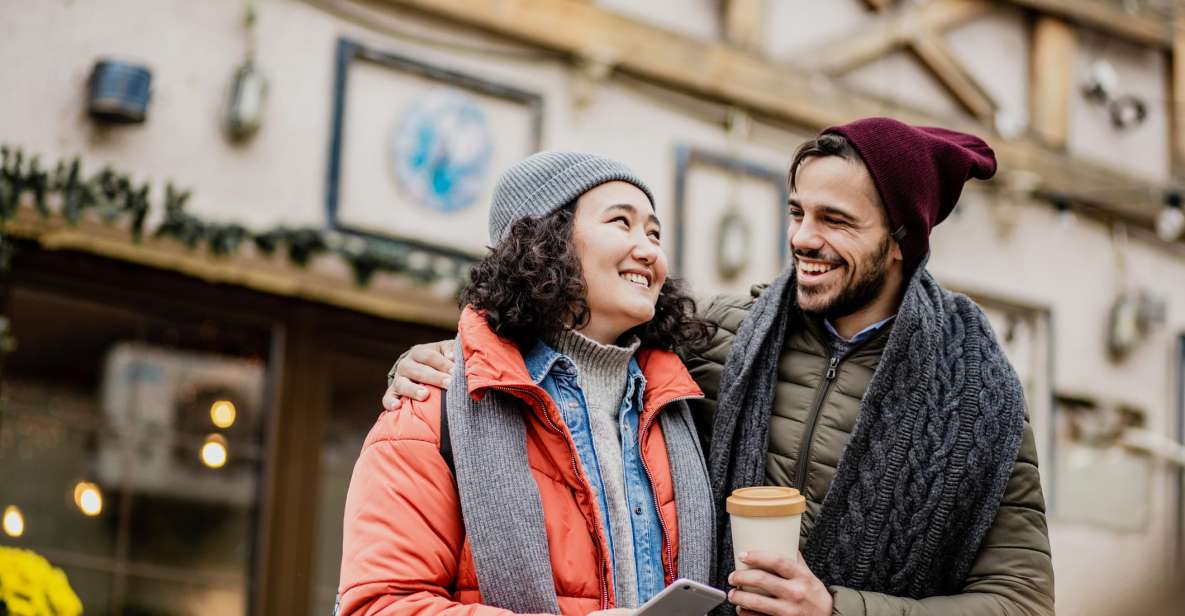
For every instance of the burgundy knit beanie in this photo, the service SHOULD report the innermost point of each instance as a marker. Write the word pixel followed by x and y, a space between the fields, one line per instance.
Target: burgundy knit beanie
pixel 919 173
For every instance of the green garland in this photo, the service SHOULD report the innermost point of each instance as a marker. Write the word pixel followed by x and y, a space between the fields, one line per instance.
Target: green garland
pixel 115 197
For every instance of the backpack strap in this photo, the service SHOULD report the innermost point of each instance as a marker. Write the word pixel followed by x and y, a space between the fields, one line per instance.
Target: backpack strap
pixel 446 444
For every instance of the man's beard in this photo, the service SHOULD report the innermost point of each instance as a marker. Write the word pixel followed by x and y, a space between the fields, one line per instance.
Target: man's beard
pixel 859 293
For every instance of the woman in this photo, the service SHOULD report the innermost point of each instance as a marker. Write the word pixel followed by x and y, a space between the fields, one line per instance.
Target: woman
pixel 576 481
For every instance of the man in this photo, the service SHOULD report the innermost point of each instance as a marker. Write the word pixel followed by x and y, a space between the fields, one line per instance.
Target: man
pixel 885 399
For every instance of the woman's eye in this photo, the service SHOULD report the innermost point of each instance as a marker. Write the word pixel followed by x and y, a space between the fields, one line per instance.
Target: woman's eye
pixel 621 219
pixel 655 235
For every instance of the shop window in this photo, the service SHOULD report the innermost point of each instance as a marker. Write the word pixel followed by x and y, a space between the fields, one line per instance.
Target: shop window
pixel 131 443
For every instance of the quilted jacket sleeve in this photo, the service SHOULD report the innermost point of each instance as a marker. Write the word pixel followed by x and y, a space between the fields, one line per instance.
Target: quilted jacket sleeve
pixel 706 362
pixel 403 532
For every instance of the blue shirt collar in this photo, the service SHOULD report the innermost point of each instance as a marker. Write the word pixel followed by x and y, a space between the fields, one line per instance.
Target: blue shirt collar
pixel 861 335
pixel 541 360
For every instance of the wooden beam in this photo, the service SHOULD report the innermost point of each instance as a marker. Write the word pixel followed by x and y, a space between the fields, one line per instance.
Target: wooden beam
pixel 1051 80
pixel 942 63
pixel 296 423
pixel 1177 83
pixel 868 43
pixel 1107 17
pixel 265 274
pixel 744 24
pixel 779 92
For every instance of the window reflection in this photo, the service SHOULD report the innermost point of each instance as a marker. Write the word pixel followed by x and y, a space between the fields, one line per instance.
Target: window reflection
pixel 104 412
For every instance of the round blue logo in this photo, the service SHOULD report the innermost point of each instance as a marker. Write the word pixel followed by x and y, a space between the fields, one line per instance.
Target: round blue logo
pixel 441 151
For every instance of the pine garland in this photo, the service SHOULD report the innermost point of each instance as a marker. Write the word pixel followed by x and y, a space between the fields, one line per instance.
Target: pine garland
pixel 65 192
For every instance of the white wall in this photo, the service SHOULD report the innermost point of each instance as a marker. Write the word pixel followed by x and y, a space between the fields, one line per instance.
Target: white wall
pixel 48 47
pixel 1070 270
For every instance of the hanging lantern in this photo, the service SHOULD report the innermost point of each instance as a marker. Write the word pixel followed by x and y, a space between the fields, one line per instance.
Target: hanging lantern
pixel 244 101
pixel 733 241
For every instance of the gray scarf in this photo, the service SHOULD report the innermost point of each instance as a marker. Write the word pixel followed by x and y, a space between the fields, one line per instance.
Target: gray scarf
pixel 923 474
pixel 502 511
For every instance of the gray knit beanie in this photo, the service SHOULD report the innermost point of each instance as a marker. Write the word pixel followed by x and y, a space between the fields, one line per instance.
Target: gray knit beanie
pixel 547 181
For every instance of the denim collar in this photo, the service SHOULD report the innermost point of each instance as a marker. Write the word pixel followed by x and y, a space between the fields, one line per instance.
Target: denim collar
pixel 542 360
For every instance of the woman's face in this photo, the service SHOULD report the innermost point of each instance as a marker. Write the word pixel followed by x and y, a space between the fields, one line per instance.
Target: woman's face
pixel 618 240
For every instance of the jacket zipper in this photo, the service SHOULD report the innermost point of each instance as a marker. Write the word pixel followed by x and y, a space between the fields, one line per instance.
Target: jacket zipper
pixel 668 556
pixel 576 470
pixel 808 437
pixel 804 452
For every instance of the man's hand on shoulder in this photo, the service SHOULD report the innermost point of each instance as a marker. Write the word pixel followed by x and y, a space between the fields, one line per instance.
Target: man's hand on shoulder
pixel 424 364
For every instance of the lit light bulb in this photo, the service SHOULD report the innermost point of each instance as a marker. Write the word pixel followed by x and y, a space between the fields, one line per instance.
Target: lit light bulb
pixel 14 522
pixel 223 413
pixel 88 498
pixel 214 452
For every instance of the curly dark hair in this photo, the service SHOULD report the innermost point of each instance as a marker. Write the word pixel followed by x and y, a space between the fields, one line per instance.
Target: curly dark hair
pixel 531 285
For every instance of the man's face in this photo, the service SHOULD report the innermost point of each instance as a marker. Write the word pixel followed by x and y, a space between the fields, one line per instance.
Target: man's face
pixel 839 236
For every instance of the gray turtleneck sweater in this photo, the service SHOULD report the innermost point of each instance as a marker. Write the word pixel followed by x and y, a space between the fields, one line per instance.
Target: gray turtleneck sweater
pixel 602 372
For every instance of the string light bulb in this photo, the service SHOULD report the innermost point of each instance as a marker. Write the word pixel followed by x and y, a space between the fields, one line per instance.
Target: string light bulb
pixel 223 413
pixel 14 521
pixel 88 498
pixel 213 453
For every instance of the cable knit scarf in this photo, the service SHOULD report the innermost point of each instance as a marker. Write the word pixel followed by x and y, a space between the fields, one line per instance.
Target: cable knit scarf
pixel 503 513
pixel 923 474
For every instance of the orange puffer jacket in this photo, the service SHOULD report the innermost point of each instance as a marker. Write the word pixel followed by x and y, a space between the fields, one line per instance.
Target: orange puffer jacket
pixel 405 550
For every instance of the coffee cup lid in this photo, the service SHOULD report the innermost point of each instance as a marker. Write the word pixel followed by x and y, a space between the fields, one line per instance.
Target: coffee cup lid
pixel 766 502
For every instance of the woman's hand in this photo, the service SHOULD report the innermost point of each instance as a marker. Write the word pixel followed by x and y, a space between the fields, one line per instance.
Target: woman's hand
pixel 424 364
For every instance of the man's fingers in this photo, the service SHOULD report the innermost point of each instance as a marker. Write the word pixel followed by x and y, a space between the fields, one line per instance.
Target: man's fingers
pixel 759 580
pixel 421 375
pixel 753 602
pixel 446 348
pixel 428 356
pixel 774 563
pixel 391 400
pixel 405 388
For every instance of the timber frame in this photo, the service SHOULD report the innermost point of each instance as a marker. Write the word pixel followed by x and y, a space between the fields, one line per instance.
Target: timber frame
pixel 738 75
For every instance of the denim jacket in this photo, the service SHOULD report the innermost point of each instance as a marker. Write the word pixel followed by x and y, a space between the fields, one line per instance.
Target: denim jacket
pixel 556 374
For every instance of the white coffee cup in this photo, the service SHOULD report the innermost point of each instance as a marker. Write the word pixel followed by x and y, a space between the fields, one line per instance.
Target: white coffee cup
pixel 767 518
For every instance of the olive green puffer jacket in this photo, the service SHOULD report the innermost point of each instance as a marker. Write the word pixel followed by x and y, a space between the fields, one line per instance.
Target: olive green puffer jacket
pixel 814 414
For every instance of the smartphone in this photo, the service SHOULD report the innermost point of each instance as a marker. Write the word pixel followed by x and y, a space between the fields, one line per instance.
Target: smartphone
pixel 682 598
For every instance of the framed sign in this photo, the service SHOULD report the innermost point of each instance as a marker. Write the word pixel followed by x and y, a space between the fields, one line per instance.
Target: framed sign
pixel 1179 371
pixel 730 221
pixel 415 149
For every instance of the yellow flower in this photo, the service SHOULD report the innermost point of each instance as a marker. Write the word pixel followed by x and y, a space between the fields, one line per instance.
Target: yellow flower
pixel 30 586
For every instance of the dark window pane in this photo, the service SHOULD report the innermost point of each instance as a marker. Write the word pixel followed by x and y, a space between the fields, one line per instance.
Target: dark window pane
pixel 131 441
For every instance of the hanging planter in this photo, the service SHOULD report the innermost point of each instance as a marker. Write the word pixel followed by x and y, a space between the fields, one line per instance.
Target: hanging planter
pixel 119 92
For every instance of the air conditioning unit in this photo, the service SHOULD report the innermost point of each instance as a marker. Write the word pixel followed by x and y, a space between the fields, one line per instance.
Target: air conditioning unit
pixel 157 409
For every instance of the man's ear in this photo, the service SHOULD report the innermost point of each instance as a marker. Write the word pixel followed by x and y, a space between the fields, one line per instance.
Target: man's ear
pixel 895 250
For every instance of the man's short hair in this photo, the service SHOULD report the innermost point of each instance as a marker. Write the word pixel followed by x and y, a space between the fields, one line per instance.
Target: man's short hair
pixel 823 145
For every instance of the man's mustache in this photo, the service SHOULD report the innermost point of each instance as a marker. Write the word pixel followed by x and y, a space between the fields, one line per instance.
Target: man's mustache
pixel 818 255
